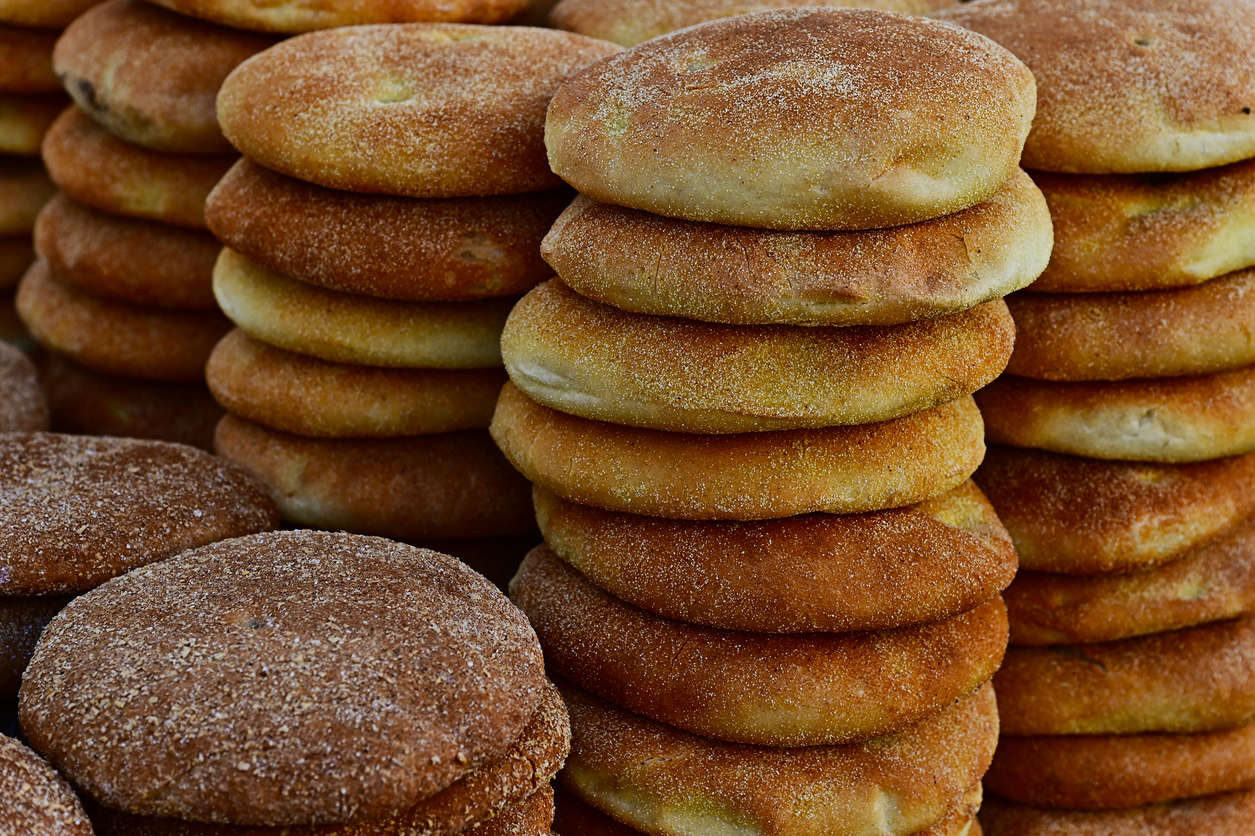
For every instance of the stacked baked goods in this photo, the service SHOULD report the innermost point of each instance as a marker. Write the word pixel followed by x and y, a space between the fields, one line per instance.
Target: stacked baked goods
pixel 30 97
pixel 1128 419
pixel 386 216
pixel 121 295
pixel 78 511
pixel 23 407
pixel 768 585
pixel 306 683
pixel 630 22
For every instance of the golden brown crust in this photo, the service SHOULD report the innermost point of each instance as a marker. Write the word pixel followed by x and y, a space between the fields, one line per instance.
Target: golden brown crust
pixel 83 510
pixel 1117 336
pixel 662 780
pixel 425 110
pixel 588 359
pixel 328 14
pixel 452 485
pixel 1081 516
pixel 393 247
pixel 818 573
pixel 510 790
pixel 1179 419
pixel 149 76
pixel 24 189
pixel 47 14
pixel 1211 582
pixel 752 476
pixel 114 337
pixel 751 276
pixel 630 22
pixel 259 649
pixel 22 404
pixel 25 118
pixel 94 167
pixel 22 619
pixel 311 397
pixel 35 798
pixel 127 259
pixel 797 119
pixel 1193 680
pixel 1217 815
pixel 823 689
pixel 16 256
pixel 1148 232
pixel 87 403
pixel 1144 85
pixel 27 65
pixel 356 329
pixel 1102 772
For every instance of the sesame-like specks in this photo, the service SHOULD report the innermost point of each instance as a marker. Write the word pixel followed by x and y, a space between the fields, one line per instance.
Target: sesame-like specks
pixel 75 511
pixel 22 404
pixel 352 701
pixel 34 799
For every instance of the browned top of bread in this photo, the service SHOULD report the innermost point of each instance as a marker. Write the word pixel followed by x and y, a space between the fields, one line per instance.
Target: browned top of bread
pixel 1139 85
pixel 426 110
pixel 149 75
pixel 391 247
pixel 629 22
pixel 304 678
pixel 34 799
pixel 79 510
pixel 1083 516
pixel 27 65
pixel 1218 815
pixel 797 119
pixel 50 14
pixel 22 404
pixel 325 14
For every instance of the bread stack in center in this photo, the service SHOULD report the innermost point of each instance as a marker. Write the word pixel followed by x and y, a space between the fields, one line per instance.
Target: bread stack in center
pixel 1128 478
pixel 386 216
pixel 768 586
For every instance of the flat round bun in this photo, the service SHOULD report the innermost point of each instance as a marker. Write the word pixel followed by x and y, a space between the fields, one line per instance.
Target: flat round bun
pixel 1192 680
pixel 195 633
pixel 24 189
pixel 818 573
pixel 465 106
pixel 88 403
pixel 823 689
pixel 94 167
pixel 1130 232
pixel 762 277
pixel 36 798
pixel 48 14
pixel 1084 517
pixel 797 119
pixel 114 337
pixel 1143 85
pixel 25 118
pixel 27 66
pixel 127 259
pixel 356 329
pixel 23 408
pixel 1211 582
pixel 1118 336
pixel 753 476
pixel 149 76
pixel 1113 771
pixel 312 397
pixel 456 249
pixel 659 779
pixel 1181 419
pixel 1218 815
pixel 452 485
pixel 592 360
pixel 16 255
pixel 84 509
pixel 630 22
pixel 329 14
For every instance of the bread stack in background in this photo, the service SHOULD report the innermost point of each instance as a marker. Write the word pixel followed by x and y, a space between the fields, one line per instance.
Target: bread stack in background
pixel 121 295
pixel 387 214
pixel 768 585
pixel 1128 700
pixel 30 98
